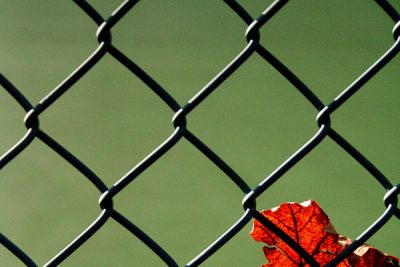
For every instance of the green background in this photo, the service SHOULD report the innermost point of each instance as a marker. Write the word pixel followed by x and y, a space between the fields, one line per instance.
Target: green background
pixel 255 120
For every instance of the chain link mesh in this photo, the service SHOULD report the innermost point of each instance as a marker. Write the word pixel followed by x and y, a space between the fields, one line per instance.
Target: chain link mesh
pixel 250 195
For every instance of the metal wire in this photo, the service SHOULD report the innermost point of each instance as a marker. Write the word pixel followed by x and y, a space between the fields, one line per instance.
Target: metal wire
pixel 254 47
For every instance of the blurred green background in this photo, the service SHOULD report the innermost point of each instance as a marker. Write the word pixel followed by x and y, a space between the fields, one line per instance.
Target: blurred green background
pixel 254 121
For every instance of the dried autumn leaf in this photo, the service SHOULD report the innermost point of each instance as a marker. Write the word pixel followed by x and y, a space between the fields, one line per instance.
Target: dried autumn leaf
pixel 309 226
pixel 368 256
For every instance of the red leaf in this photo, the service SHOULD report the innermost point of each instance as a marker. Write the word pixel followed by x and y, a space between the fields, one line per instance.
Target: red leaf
pixel 368 256
pixel 305 223
pixel 309 226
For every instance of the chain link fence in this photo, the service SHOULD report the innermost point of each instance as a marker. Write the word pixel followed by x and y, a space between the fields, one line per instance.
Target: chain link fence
pixel 253 48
